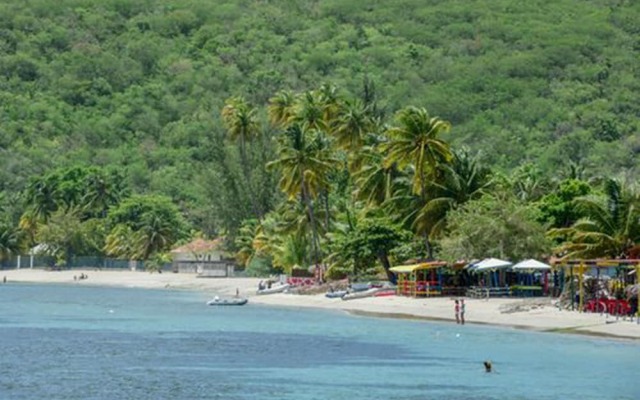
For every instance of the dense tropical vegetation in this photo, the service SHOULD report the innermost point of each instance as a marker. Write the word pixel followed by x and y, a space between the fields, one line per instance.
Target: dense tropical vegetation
pixel 349 133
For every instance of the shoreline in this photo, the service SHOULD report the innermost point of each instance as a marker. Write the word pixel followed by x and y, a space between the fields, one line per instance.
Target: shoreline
pixel 536 314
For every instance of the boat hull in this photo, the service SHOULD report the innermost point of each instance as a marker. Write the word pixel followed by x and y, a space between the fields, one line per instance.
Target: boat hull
pixel 227 302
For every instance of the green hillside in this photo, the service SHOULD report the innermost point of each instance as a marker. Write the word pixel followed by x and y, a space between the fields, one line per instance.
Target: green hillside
pixel 140 85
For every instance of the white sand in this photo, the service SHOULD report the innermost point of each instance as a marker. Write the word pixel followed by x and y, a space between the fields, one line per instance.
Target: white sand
pixel 538 314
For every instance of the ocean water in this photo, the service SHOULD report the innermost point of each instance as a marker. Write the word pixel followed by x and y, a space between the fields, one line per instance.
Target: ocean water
pixel 71 342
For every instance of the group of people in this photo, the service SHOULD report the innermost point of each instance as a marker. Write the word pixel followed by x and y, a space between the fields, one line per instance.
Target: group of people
pixel 81 277
pixel 459 310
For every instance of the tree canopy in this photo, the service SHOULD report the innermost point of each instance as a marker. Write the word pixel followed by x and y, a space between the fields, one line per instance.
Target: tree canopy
pixel 149 118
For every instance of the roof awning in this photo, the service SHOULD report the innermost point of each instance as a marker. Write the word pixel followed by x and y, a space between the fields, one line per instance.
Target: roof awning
pixel 405 269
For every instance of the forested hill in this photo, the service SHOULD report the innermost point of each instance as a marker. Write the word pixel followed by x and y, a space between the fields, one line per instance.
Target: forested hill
pixel 140 84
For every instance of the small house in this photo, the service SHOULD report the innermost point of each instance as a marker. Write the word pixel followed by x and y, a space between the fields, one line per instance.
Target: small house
pixel 203 257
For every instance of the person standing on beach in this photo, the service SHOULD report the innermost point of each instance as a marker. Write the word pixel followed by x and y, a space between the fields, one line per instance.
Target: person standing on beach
pixel 456 308
pixel 462 309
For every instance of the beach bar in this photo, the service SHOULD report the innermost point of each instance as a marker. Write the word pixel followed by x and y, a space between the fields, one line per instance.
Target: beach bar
pixel 581 270
pixel 418 280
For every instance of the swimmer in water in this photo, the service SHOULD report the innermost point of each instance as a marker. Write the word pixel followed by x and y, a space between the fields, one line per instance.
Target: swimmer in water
pixel 487 366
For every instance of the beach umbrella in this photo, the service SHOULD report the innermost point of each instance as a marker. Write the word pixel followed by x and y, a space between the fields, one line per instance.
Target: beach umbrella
pixel 491 264
pixel 531 265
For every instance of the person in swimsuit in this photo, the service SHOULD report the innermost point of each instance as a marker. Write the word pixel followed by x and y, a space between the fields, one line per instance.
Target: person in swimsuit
pixel 456 308
pixel 462 309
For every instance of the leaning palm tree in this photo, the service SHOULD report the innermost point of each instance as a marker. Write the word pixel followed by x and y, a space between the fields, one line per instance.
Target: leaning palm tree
pixel 610 228
pixel 416 141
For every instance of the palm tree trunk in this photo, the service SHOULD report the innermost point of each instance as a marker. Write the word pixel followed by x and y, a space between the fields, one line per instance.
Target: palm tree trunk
pixel 314 240
pixel 384 260
pixel 247 176
pixel 327 220
pixel 429 246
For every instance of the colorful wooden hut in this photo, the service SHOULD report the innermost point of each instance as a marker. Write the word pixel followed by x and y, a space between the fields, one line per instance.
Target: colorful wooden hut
pixel 573 268
pixel 418 280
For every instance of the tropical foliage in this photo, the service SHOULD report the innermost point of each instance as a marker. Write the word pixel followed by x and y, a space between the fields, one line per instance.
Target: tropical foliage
pixel 610 226
pixel 303 134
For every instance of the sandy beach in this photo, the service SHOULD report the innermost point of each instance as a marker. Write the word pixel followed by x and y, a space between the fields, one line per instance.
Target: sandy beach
pixel 533 313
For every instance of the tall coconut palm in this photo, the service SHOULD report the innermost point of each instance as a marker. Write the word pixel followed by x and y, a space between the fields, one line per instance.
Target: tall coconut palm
pixel 311 112
pixel 415 144
pixel 610 228
pixel 351 126
pixel 304 167
pixel 416 141
pixel 242 125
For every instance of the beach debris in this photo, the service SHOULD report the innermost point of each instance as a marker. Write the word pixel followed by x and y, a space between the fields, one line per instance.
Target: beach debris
pixel 524 305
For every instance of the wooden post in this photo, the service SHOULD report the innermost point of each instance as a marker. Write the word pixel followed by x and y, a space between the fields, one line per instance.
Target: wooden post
pixel 573 288
pixel 637 294
pixel 580 278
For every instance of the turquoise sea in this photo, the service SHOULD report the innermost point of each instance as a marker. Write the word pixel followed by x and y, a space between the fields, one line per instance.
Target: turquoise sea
pixel 71 342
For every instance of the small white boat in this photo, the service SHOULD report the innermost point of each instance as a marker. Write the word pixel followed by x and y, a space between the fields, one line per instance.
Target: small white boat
pixel 227 301
pixel 361 294
pixel 274 289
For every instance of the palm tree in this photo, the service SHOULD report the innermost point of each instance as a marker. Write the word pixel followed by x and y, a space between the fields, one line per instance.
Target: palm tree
pixel 351 126
pixel 119 242
pixel 375 183
pixel 304 168
pixel 242 125
pixel 155 235
pixel 102 193
pixel 311 111
pixel 41 198
pixel 244 242
pixel 462 180
pixel 610 228
pixel 9 241
pixel 281 108
pixel 415 141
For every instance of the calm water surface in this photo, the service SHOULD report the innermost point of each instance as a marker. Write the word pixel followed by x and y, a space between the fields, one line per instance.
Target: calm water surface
pixel 67 342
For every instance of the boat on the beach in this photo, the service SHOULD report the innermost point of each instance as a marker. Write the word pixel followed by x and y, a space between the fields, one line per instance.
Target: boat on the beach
pixel 274 289
pixel 385 292
pixel 335 294
pixel 227 301
pixel 361 294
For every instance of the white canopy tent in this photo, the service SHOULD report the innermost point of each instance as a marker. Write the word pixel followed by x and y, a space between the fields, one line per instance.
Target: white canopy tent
pixel 489 264
pixel 531 265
